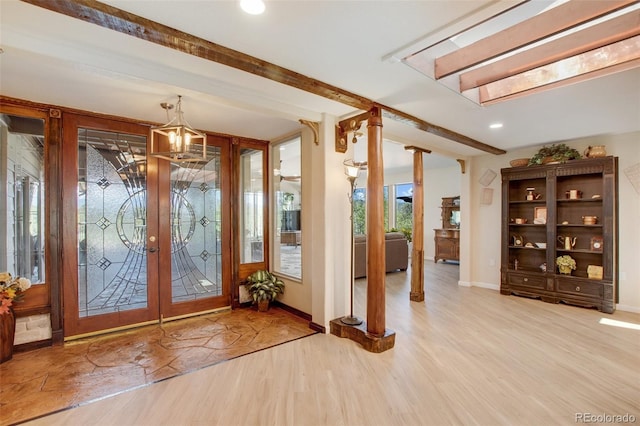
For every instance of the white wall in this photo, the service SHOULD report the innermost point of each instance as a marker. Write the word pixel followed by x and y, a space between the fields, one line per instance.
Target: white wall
pixel 324 291
pixel 485 220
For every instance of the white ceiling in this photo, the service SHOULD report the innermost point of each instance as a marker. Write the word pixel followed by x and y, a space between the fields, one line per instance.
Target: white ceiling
pixel 59 60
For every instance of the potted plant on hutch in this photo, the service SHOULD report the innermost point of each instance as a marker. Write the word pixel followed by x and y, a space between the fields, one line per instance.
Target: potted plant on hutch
pixel 264 287
pixel 11 290
pixel 560 153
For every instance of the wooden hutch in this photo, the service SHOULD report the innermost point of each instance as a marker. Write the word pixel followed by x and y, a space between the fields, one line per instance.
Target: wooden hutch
pixel 568 210
pixel 447 238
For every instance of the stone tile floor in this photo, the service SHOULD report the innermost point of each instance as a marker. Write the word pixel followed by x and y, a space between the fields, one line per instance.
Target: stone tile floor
pixel 55 378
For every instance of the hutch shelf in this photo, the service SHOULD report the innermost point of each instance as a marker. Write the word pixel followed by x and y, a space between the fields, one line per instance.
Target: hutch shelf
pixel 447 238
pixel 554 210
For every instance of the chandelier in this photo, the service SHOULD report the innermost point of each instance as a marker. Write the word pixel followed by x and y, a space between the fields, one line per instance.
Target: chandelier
pixel 177 141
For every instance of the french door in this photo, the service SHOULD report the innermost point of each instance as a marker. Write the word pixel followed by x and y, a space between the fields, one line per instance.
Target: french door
pixel 144 239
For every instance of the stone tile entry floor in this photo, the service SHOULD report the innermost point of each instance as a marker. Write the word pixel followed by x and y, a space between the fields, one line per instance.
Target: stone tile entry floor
pixel 50 379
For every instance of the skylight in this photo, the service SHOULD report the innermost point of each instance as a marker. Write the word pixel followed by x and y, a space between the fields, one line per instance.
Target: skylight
pixel 530 48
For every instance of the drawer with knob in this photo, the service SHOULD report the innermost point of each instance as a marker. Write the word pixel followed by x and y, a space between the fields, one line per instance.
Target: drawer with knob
pixel 536 281
pixel 581 287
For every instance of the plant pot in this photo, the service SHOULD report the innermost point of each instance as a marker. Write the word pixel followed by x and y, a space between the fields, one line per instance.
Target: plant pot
pixel 7 335
pixel 565 270
pixel 263 305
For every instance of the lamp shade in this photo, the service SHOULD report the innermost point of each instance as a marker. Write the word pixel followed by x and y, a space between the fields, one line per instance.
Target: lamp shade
pixel 351 171
pixel 352 168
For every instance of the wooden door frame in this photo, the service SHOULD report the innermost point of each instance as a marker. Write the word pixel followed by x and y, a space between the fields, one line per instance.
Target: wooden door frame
pixel 49 299
pixel 45 298
pixel 73 324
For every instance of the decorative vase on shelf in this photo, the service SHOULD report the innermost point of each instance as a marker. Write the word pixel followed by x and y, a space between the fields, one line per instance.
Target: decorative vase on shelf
pixel 595 151
pixel 565 270
pixel 7 335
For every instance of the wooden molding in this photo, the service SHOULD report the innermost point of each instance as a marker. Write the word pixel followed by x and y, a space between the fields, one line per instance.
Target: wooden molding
pixel 344 127
pixel 462 165
pixel 417 149
pixel 397 115
pixel 124 22
pixel 305 316
pixel 315 128
pixel 30 346
pixel 317 327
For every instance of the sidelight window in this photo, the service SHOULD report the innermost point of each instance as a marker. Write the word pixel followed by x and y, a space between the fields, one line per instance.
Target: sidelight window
pixel 22 191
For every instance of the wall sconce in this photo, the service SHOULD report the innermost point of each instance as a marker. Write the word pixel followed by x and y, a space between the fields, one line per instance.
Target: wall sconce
pixel 177 141
pixel 352 170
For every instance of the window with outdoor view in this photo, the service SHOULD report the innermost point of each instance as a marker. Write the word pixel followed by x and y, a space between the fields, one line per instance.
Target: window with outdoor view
pixel 404 208
pixel 251 206
pixel 360 210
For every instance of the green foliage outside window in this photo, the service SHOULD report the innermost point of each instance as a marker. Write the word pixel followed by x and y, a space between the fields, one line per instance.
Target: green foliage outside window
pixel 360 210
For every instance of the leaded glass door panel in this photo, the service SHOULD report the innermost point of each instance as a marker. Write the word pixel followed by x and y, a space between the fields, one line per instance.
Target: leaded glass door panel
pixel 147 238
pixel 197 232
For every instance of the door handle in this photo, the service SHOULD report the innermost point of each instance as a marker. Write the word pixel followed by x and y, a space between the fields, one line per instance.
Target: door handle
pixel 152 239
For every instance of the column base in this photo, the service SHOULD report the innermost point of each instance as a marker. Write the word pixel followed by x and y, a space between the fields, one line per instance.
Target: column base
pixel 416 297
pixel 359 334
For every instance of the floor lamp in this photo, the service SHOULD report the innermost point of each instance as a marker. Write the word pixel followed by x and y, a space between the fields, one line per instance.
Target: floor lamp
pixel 352 169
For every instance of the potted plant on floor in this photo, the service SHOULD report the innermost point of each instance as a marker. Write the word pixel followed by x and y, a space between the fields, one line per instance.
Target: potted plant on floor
pixel 264 287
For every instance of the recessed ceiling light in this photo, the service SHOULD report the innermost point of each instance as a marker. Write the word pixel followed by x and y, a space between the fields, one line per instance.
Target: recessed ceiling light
pixel 495 126
pixel 252 7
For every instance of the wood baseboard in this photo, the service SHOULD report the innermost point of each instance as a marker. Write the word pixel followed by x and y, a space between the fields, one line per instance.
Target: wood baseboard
pixel 292 310
pixel 26 347
pixel 317 327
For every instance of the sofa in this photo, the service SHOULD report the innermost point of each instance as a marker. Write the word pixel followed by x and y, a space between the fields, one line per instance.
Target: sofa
pixel 396 253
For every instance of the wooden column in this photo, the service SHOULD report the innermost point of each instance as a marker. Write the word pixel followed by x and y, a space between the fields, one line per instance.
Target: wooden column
pixel 371 334
pixel 375 227
pixel 417 255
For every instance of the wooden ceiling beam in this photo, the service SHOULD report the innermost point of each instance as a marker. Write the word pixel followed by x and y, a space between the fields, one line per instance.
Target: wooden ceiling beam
pixel 599 35
pixel 127 23
pixel 425 126
pixel 549 23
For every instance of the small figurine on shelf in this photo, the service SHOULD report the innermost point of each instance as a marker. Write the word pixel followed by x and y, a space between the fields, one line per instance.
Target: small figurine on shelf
pixel 516 264
pixel 543 267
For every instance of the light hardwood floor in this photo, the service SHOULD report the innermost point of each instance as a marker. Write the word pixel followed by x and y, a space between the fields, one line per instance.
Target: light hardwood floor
pixel 466 356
